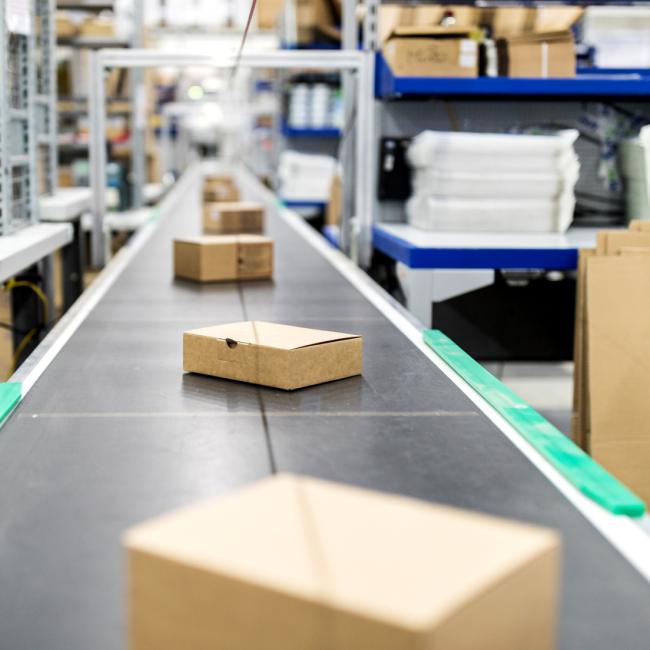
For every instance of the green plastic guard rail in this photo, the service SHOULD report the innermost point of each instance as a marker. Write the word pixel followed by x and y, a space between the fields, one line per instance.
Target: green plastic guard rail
pixel 155 215
pixel 10 394
pixel 573 463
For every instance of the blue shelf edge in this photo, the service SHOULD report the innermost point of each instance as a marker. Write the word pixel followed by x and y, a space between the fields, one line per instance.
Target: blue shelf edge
pixel 588 83
pixel 292 132
pixel 296 205
pixel 473 258
pixel 331 234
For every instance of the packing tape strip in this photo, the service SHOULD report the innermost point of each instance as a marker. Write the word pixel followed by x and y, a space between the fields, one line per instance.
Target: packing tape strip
pixel 11 393
pixel 573 463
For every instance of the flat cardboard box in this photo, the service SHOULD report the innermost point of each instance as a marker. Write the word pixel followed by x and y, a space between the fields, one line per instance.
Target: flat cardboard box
pixel 618 313
pixel 297 563
pixel 532 56
pixel 271 354
pixel 233 218
pixel 214 258
pixel 220 188
pixel 432 52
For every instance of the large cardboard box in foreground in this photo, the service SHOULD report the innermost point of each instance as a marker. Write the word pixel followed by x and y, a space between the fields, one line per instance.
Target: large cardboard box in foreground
pixel 301 564
pixel 213 258
pixel 271 354
pixel 233 218
pixel 220 188
pixel 432 52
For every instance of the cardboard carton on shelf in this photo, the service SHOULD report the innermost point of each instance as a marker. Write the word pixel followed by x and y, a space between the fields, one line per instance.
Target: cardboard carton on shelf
pixel 433 51
pixel 223 257
pixel 391 16
pixel 294 562
pixel 233 218
pixel 537 55
pixel 219 188
pixel 65 28
pixel 272 354
pixel 268 13
pixel 97 27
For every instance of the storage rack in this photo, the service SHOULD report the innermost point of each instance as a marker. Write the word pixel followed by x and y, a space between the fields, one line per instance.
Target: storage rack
pixel 399 111
pixel 46 110
pixel 17 135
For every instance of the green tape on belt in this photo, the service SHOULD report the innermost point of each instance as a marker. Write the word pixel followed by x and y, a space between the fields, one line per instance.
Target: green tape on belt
pixel 155 215
pixel 573 463
pixel 10 394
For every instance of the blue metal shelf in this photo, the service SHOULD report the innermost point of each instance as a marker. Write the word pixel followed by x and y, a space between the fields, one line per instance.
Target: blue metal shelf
pixel 298 205
pixel 291 132
pixel 425 250
pixel 592 83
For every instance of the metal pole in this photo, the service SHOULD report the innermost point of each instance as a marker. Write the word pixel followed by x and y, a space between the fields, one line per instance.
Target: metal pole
pixel 97 155
pixel 348 84
pixel 138 114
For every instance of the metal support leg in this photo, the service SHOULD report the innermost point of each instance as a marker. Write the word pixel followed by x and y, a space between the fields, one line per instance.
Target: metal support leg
pixel 73 267
pixel 97 154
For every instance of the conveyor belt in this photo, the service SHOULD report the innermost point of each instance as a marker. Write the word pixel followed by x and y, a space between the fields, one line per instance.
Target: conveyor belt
pixel 113 433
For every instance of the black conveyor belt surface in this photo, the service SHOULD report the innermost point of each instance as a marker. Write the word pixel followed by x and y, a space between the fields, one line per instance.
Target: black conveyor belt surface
pixel 113 433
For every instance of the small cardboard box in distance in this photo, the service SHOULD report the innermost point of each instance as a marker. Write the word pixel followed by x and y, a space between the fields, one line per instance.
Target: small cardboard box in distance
pixel 271 354
pixel 218 188
pixel 302 564
pixel 233 218
pixel 432 52
pixel 213 258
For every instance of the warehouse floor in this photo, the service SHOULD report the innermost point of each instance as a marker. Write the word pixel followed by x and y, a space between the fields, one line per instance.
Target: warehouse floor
pixel 547 387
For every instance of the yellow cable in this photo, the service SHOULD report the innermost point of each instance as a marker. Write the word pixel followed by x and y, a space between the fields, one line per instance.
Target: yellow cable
pixel 14 284
pixel 21 347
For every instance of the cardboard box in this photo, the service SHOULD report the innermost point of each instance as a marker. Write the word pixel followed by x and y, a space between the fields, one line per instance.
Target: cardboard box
pixel 268 13
pixel 432 52
pixel 233 218
pixel 548 55
pixel 271 354
pixel 297 563
pixel 335 204
pixel 220 188
pixel 619 355
pixel 223 257
pixel 391 16
pixel 610 415
pixel 65 28
pixel 98 27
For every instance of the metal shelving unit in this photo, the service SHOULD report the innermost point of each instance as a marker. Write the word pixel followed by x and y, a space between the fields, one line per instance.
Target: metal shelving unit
pixel 17 135
pixel 45 99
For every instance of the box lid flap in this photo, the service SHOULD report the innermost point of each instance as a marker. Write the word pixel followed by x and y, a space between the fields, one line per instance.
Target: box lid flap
pixel 224 239
pixel 234 205
pixel 272 335
pixel 400 560
pixel 432 30
pixel 542 37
